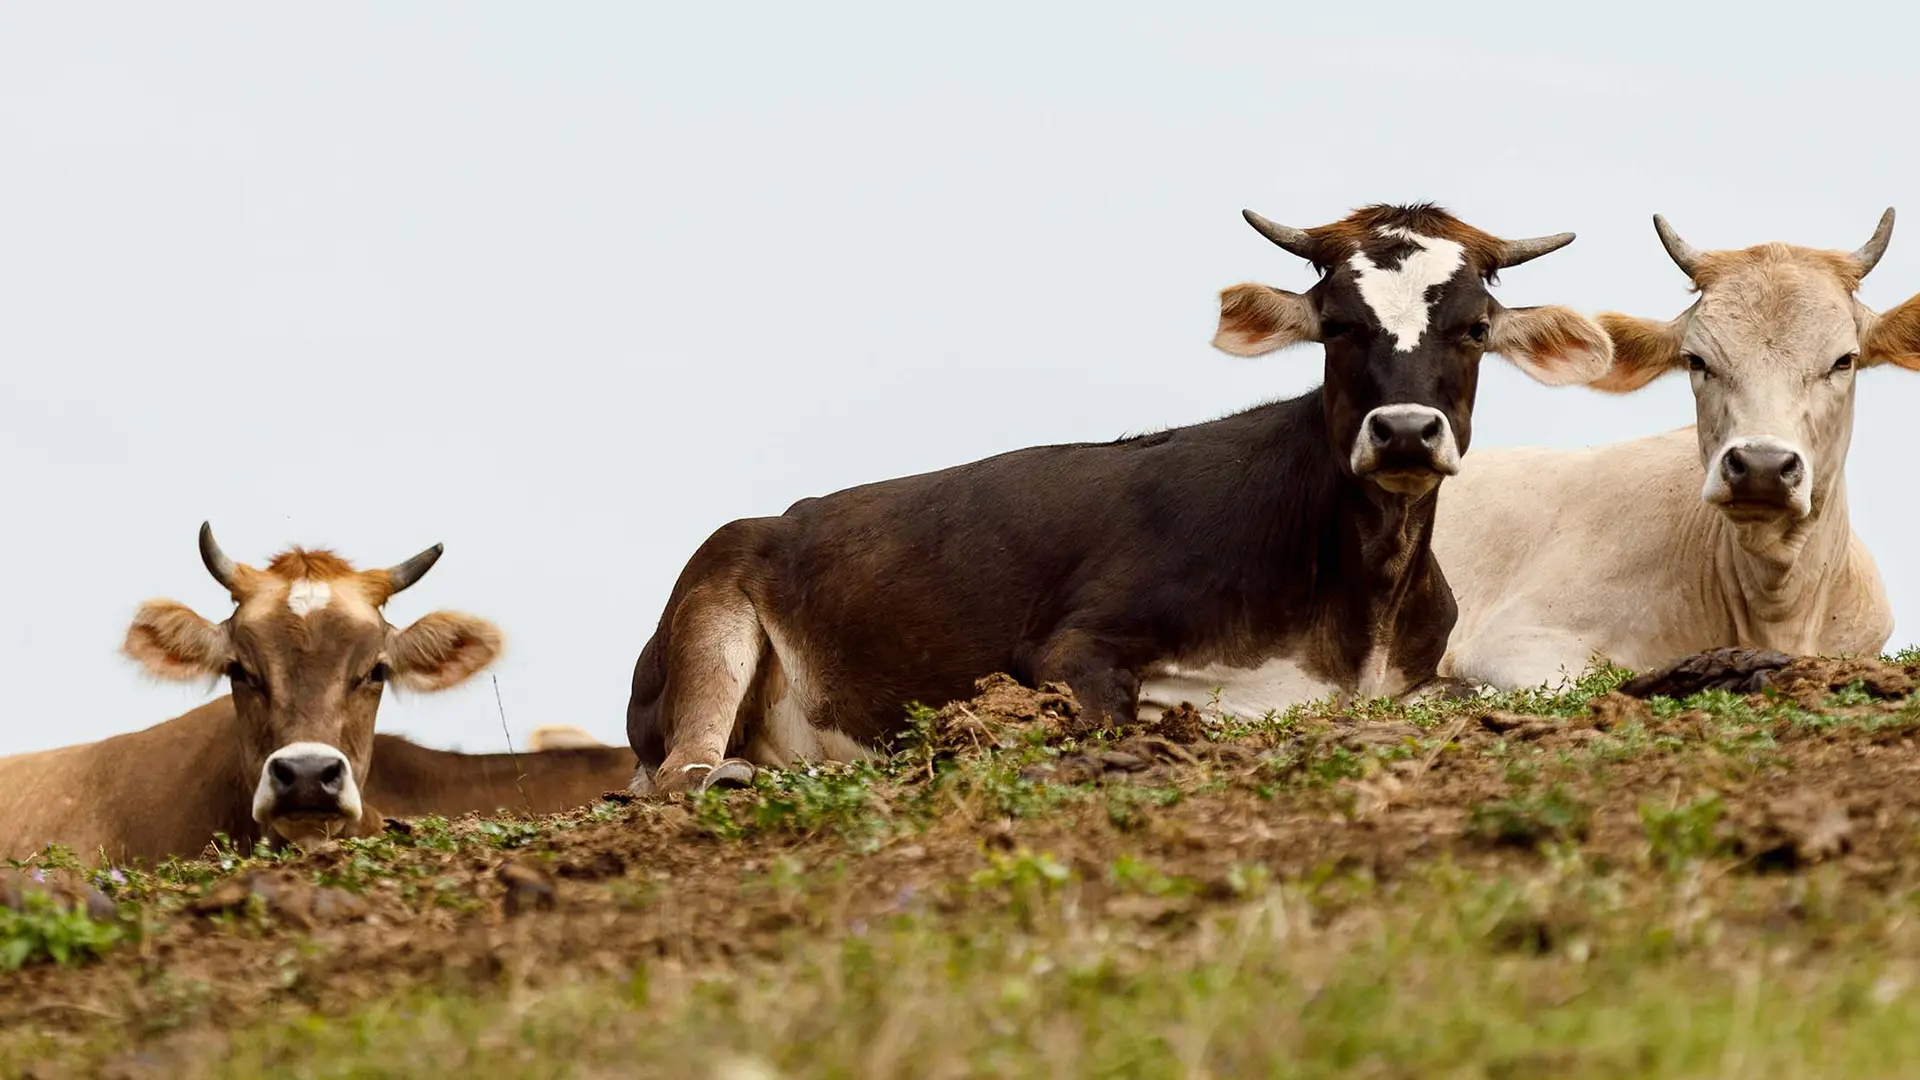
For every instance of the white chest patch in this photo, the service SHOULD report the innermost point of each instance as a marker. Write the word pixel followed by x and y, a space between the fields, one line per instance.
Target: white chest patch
pixel 1398 297
pixel 305 597
pixel 1245 693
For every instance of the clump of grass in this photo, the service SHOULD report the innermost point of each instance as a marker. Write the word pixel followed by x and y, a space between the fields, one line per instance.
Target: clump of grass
pixel 1531 818
pixel 45 928
pixel 1678 836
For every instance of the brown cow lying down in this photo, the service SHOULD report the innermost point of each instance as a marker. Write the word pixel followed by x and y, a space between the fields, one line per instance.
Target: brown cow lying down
pixel 408 780
pixel 308 653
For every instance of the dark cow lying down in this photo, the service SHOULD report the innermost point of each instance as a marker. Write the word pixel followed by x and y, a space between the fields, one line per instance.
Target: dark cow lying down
pixel 1275 556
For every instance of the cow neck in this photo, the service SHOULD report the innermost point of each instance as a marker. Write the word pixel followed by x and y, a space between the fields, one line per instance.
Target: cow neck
pixel 1774 574
pixel 1356 541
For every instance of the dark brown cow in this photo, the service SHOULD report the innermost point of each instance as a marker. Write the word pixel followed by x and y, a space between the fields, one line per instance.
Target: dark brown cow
pixel 308 654
pixel 1275 556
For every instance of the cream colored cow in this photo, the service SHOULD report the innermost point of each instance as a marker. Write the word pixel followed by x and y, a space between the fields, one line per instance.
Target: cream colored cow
pixel 1733 532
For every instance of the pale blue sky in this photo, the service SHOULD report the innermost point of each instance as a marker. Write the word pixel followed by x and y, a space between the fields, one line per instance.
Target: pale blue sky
pixel 566 286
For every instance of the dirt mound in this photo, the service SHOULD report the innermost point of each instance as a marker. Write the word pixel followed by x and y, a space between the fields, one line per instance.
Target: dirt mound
pixel 1804 679
pixel 1003 714
pixel 1809 679
pixel 1151 827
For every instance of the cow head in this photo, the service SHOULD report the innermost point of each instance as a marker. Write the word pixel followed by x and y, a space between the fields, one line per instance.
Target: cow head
pixel 1403 310
pixel 308 654
pixel 1772 345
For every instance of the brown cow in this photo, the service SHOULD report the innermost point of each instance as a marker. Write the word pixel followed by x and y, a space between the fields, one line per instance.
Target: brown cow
pixel 407 780
pixel 308 654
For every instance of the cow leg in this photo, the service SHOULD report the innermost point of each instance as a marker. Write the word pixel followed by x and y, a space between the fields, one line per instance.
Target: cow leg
pixel 1108 692
pixel 717 643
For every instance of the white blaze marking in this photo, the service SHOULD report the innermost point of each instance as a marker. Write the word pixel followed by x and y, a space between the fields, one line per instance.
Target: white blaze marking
pixel 305 597
pixel 1398 297
pixel 263 792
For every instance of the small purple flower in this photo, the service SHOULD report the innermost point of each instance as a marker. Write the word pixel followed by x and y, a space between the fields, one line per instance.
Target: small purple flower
pixel 38 875
pixel 904 897
pixel 859 927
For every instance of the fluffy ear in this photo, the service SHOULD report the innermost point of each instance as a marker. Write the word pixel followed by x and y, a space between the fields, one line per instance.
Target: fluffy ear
pixel 443 649
pixel 1258 319
pixel 173 642
pixel 1555 345
pixel 1894 338
pixel 1643 350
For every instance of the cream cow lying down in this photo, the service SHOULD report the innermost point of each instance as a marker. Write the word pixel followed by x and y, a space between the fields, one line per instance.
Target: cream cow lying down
pixel 1732 532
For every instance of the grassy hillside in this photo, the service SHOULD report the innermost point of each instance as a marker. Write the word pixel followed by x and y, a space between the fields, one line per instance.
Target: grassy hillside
pixel 1583 884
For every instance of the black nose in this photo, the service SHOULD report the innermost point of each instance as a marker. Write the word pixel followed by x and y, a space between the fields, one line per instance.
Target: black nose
pixel 306 783
pixel 1404 440
pixel 1761 474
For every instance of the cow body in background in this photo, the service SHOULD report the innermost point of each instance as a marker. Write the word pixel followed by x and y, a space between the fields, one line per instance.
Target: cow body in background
pixel 1733 532
pixel 1277 555
pixel 410 780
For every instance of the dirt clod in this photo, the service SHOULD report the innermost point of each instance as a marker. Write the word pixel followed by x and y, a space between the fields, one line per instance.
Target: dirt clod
pixel 1180 724
pixel 596 866
pixel 1738 670
pixel 1796 830
pixel 283 895
pixel 529 887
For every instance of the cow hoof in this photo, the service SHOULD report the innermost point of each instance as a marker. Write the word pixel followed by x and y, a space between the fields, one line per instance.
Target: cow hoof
pixel 731 773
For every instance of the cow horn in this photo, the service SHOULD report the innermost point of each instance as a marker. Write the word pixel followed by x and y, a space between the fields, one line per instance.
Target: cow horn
pixel 415 568
pixel 224 570
pixel 1515 252
pixel 1869 254
pixel 1294 240
pixel 1681 252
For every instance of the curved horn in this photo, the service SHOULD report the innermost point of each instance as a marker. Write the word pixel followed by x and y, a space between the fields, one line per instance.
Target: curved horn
pixel 414 569
pixel 1681 252
pixel 1869 254
pixel 224 570
pixel 1515 252
pixel 1294 240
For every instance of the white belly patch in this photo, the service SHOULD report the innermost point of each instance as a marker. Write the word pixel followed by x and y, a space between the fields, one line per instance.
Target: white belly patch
pixel 1244 693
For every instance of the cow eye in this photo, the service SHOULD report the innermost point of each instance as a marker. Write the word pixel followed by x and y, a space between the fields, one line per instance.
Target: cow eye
pixel 1845 363
pixel 380 673
pixel 239 676
pixel 1334 328
pixel 1694 363
pixel 1478 331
